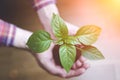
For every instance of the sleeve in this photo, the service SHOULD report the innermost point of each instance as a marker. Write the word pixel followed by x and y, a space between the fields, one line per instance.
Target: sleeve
pixel 38 4
pixel 7 33
pixel 11 35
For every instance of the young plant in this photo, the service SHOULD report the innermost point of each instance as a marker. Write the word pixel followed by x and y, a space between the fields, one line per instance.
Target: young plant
pixel 40 41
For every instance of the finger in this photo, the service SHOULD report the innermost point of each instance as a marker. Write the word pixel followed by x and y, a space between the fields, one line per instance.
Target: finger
pixel 74 66
pixel 85 62
pixel 86 65
pixel 77 64
pixel 82 59
pixel 75 73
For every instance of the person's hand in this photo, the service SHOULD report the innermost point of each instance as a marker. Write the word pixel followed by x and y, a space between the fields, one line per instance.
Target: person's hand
pixel 49 60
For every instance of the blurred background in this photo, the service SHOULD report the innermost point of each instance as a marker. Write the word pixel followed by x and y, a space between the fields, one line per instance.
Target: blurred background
pixel 18 64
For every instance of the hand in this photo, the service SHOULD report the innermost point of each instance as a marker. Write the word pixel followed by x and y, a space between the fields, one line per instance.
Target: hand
pixel 49 60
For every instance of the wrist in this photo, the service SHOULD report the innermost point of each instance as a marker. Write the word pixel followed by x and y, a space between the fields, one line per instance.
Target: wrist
pixel 45 10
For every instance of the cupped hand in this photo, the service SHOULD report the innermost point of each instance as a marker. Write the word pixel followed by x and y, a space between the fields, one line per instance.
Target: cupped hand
pixel 49 61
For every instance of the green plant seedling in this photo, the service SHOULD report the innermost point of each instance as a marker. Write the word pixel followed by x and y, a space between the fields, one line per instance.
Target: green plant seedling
pixel 87 35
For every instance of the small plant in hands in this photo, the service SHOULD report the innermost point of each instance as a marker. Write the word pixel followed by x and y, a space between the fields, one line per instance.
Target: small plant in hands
pixel 40 41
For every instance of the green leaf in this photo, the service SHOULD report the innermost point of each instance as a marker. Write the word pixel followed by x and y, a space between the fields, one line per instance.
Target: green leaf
pixel 59 27
pixel 60 41
pixel 88 34
pixel 67 55
pixel 91 53
pixel 71 40
pixel 39 41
